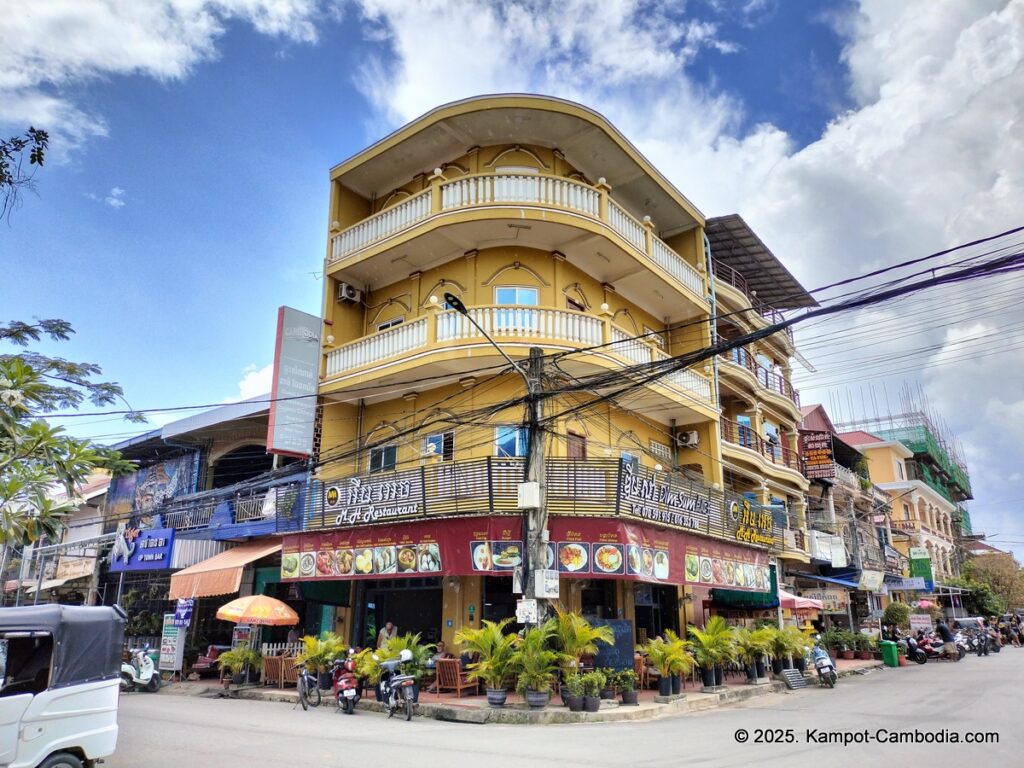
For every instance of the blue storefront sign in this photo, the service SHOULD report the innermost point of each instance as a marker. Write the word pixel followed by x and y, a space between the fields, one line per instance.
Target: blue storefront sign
pixel 183 612
pixel 142 549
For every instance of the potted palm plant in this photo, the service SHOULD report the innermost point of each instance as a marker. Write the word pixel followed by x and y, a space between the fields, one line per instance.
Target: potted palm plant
pixel 575 637
pixel 494 651
pixel 751 648
pixel 680 660
pixel 625 681
pixel 593 682
pixel 799 644
pixel 712 647
pixel 572 688
pixel 421 652
pixel 535 664
pixel 318 653
pixel 240 662
pixel 660 654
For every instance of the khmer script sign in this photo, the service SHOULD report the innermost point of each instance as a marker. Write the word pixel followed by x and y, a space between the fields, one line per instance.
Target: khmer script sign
pixel 658 500
pixel 362 500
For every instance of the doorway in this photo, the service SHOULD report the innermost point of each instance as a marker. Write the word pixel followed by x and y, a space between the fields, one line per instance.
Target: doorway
pixel 412 605
pixel 656 607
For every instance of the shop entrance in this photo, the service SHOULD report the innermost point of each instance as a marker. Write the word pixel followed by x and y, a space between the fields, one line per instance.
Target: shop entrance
pixel 498 601
pixel 656 610
pixel 412 605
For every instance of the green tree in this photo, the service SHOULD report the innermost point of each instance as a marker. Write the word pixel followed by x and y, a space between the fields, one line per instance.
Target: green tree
pixel 37 458
pixel 20 157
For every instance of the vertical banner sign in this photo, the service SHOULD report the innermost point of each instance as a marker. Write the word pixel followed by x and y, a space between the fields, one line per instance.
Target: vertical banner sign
pixel 183 611
pixel 921 567
pixel 817 456
pixel 172 645
pixel 293 396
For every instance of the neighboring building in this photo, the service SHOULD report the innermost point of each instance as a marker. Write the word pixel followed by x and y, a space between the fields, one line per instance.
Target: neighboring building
pixel 555 233
pixel 922 515
pixel 851 537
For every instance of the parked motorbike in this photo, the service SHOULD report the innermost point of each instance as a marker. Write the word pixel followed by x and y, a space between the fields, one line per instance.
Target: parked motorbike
pixel 140 673
pixel 395 687
pixel 345 684
pixel 824 666
pixel 935 648
pixel 914 651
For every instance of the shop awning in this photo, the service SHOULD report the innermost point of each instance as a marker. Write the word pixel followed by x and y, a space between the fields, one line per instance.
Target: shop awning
pixel 829 580
pixel 51 584
pixel 221 574
pixel 795 603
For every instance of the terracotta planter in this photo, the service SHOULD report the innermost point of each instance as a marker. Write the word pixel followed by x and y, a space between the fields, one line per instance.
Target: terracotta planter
pixel 864 655
pixel 902 660
pixel 847 655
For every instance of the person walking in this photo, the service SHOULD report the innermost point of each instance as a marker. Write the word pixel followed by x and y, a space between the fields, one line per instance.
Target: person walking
pixel 948 641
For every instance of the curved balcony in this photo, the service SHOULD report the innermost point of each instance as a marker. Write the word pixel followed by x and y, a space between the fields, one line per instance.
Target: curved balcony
pixel 767 454
pixel 434 207
pixel 441 342
pixel 726 275
pixel 767 380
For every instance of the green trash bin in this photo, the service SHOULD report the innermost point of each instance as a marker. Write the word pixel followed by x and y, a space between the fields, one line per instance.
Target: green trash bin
pixel 890 657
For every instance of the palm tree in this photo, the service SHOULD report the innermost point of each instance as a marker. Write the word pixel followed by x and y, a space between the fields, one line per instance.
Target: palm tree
pixel 576 636
pixel 752 646
pixel 493 648
pixel 712 646
pixel 533 661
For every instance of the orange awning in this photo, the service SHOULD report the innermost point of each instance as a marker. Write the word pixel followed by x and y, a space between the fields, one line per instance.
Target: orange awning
pixel 221 574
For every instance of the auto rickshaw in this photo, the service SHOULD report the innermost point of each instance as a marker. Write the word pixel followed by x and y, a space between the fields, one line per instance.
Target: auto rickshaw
pixel 60 671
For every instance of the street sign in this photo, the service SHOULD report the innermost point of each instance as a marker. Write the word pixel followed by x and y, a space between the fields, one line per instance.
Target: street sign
pixel 526 611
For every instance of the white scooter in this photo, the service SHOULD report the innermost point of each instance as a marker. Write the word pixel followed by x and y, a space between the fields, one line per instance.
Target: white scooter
pixel 141 673
pixel 825 666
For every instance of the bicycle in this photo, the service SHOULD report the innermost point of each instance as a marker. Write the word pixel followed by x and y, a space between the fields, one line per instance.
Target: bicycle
pixel 309 688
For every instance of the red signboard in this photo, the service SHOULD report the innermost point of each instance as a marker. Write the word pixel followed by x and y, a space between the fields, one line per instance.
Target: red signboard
pixel 581 547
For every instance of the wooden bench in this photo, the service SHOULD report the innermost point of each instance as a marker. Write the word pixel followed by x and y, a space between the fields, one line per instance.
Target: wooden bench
pixel 451 677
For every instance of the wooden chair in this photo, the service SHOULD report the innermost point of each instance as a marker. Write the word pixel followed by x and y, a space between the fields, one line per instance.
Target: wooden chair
pixel 289 672
pixel 272 668
pixel 451 677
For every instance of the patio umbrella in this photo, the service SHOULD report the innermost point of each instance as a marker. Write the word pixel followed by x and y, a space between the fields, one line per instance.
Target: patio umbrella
pixel 258 609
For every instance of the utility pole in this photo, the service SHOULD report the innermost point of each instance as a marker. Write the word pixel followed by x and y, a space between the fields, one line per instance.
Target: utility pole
pixel 536 472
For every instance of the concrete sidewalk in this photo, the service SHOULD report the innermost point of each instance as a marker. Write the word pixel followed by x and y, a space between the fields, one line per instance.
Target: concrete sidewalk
pixel 474 709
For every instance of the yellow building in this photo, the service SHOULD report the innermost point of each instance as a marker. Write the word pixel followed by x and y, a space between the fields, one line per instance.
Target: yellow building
pixel 556 234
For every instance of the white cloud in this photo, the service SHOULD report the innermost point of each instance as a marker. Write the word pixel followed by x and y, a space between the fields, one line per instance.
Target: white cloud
pixel 46 47
pixel 255 381
pixel 114 198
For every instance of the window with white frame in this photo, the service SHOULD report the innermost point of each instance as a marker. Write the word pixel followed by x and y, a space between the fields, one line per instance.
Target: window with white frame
pixel 516 295
pixel 510 442
pixel 899 470
pixel 390 323
pixel 384 458
pixel 441 444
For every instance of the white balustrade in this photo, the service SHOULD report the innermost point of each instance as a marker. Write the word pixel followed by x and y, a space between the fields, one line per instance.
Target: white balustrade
pixel 519 188
pixel 686 380
pixel 380 346
pixel 627 226
pixel 630 348
pixel 381 225
pixel 521 322
pixel 674 264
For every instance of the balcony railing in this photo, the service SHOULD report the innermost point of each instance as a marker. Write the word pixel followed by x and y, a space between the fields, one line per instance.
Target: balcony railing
pixel 746 437
pixel 273 500
pixel 726 274
pixel 574 487
pixel 511 323
pixel 774 382
pixel 533 190
pixel 197 516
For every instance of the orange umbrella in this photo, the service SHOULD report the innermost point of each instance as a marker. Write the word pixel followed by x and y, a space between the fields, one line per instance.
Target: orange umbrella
pixel 258 609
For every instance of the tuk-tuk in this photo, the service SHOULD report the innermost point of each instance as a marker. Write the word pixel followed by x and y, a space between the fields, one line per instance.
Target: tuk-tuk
pixel 60 671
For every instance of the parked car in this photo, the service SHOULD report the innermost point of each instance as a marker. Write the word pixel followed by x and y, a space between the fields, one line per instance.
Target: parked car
pixel 974 622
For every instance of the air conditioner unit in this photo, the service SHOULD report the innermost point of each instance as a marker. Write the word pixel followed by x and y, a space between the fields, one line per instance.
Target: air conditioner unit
pixel 348 294
pixel 687 439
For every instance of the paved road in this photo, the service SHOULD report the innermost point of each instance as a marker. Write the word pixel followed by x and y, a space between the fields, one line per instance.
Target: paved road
pixel 972 696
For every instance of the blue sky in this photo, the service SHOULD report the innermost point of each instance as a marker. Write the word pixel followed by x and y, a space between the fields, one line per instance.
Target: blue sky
pixel 185 198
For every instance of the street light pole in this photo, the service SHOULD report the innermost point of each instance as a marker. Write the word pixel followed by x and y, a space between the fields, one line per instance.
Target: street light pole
pixel 536 519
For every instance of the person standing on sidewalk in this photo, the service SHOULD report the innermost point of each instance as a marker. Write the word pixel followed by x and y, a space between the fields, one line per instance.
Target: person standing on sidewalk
pixel 948 641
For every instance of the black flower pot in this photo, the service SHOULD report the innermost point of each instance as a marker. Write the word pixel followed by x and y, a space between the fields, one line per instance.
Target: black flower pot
pixel 325 680
pixel 787 663
pixel 415 692
pixel 238 678
pixel 751 673
pixel 707 677
pixel 761 669
pixel 777 666
pixel 630 698
pixel 664 686
pixel 496 697
pixel 538 699
pixel 719 676
pixel 608 694
pixel 677 684
pixel 800 663
pixel 575 703
pixel 378 692
pixel 591 703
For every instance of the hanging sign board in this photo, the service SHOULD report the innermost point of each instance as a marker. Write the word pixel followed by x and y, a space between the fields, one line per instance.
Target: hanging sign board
pixel 183 611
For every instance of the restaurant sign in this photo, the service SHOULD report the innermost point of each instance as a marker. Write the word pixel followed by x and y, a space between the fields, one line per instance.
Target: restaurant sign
pixel 816 453
pixel 658 500
pixel 751 525
pixel 142 549
pixel 583 547
pixel 832 600
pixel 363 500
